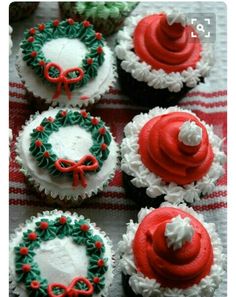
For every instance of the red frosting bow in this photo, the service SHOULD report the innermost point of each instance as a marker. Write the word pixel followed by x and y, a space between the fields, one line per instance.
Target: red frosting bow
pixel 78 168
pixel 62 78
pixel 71 291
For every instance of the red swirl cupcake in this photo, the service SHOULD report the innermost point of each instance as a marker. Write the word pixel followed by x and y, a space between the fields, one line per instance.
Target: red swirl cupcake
pixel 171 251
pixel 158 59
pixel 170 154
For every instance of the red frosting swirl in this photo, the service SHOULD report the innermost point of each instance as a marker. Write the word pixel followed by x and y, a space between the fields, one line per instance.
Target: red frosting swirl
pixel 163 154
pixel 181 268
pixel 164 46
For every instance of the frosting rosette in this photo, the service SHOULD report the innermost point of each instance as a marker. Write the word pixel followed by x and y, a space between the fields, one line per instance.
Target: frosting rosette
pixel 173 268
pixel 175 146
pixel 166 43
pixel 171 251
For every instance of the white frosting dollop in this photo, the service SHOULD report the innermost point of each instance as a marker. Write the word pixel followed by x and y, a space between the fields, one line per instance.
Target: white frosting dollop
pixel 10 40
pixel 176 16
pixel 178 232
pixel 190 134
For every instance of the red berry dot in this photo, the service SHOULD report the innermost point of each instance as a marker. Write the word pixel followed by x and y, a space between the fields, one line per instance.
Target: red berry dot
pixel 63 220
pixel 32 236
pixel 32 31
pixel 84 227
pixel 90 61
pixel 38 143
pixel 31 39
pixel 41 27
pixel 84 114
pixel 86 24
pixel 33 54
pixel 98 244
pixel 70 21
pixel 99 50
pixel 98 36
pixel 103 146
pixel 100 263
pixel 43 225
pixel 46 154
pixel 26 268
pixel 94 121
pixel 102 131
pixel 41 63
pixel 24 251
pixel 96 280
pixel 35 285
pixel 56 23
pixel 63 113
pixel 40 128
pixel 50 119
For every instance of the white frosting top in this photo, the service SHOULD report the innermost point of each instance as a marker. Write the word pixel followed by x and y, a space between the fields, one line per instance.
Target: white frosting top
pixel 142 177
pixel 59 260
pixel 176 17
pixel 10 40
pixel 178 232
pixel 76 143
pixel 190 134
pixel 146 287
pixel 159 79
pixel 68 53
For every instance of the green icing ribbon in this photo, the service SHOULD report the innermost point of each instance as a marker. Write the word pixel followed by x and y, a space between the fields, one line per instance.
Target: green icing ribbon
pixel 43 152
pixel 27 270
pixel 36 37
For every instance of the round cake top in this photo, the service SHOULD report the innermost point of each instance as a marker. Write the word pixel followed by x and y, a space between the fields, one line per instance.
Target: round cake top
pixel 164 42
pixel 42 50
pixel 175 146
pixel 104 10
pixel 60 254
pixel 67 152
pixel 172 247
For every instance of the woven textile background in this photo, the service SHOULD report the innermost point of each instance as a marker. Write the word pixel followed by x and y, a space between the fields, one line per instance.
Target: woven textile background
pixel 112 209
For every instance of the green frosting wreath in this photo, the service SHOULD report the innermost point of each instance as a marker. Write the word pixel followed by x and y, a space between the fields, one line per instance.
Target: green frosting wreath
pixel 28 272
pixel 76 77
pixel 43 152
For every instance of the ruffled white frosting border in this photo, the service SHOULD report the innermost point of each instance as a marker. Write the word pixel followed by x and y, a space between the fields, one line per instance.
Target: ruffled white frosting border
pixel 15 237
pixel 150 287
pixel 132 165
pixel 158 79
pixel 55 193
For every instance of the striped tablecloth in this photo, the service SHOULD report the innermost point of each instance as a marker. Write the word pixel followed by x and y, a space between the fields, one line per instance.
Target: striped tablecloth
pixel 112 209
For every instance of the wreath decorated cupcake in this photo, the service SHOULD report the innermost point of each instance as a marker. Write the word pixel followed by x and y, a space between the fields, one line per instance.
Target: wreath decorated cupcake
pixel 65 63
pixel 170 154
pixel 171 251
pixel 107 17
pixel 60 254
pixel 160 57
pixel 67 154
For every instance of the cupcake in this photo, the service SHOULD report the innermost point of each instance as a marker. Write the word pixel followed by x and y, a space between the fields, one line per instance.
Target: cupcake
pixel 60 254
pixel 21 10
pixel 170 154
pixel 158 60
pixel 171 251
pixel 107 17
pixel 67 155
pixel 65 64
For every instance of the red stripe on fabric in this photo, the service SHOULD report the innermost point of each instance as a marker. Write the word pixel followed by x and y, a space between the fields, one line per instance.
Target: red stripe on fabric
pixel 216 195
pixel 210 206
pixel 16 85
pixel 207 95
pixel 208 105
pixel 17 95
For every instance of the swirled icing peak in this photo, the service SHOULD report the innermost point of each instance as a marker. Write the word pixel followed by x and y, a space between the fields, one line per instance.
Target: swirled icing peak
pixel 190 134
pixel 169 147
pixel 164 42
pixel 178 232
pixel 180 267
pixel 176 17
